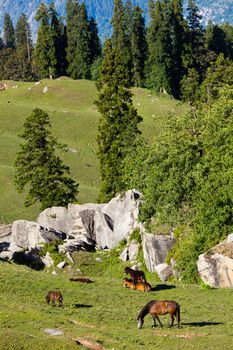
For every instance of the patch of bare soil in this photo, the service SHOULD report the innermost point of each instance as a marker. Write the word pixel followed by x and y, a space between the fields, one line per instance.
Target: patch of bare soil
pixel 89 344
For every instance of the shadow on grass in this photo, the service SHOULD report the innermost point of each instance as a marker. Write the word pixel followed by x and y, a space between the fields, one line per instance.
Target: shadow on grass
pixel 201 324
pixel 5 261
pixel 162 287
pixel 82 306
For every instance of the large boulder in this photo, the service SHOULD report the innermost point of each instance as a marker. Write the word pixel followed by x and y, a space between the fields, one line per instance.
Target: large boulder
pixel 156 248
pixel 102 225
pixel 57 218
pixel 123 211
pixel 29 234
pixel 215 267
pixel 164 271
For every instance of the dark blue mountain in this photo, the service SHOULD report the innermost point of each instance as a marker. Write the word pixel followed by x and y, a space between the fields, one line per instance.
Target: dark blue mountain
pixel 217 11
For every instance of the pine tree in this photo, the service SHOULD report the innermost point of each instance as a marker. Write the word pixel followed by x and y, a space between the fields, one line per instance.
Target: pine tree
pixel 95 44
pixel 120 36
pixel 45 60
pixel 57 28
pixel 83 49
pixel 72 9
pixel 78 41
pixel 24 47
pixel 139 47
pixel 118 123
pixel 8 32
pixel 38 169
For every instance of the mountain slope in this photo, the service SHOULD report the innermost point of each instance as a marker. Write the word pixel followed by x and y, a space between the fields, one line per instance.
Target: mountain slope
pixel 218 11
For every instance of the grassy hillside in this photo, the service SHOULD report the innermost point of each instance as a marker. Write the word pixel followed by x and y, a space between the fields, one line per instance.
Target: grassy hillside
pixel 104 313
pixel 74 118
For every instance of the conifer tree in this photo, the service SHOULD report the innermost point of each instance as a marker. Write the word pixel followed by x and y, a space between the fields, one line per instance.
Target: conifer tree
pixel 118 123
pixel 38 168
pixel 83 49
pixel 24 47
pixel 95 44
pixel 139 47
pixel 45 60
pixel 57 29
pixel 8 32
pixel 72 10
pixel 120 37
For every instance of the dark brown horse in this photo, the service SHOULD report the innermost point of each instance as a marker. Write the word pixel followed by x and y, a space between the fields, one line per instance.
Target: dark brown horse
pixel 136 275
pixel 81 279
pixel 160 307
pixel 144 287
pixel 54 296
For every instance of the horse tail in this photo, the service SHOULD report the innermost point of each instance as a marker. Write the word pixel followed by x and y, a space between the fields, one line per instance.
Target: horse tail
pixel 178 314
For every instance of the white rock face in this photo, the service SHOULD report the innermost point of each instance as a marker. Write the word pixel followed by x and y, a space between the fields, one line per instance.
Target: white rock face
pixel 57 218
pixel 216 269
pixel 27 234
pixel 103 225
pixel 164 271
pixel 155 249
pixel 130 253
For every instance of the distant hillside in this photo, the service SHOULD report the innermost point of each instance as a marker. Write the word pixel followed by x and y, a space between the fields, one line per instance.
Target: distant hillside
pixel 74 117
pixel 218 11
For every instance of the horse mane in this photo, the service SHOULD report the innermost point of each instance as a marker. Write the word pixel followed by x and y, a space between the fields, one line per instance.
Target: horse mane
pixel 145 310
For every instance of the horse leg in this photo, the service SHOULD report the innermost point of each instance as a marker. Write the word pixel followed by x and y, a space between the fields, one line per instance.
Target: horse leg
pixel 157 317
pixel 134 284
pixel 154 318
pixel 172 318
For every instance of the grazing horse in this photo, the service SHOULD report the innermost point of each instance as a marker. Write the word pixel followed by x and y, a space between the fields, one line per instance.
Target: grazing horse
pixel 136 275
pixel 160 307
pixel 144 287
pixel 54 296
pixel 81 279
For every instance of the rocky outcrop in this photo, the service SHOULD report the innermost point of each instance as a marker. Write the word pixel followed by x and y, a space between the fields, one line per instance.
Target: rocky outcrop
pixel 164 271
pixel 215 267
pixel 102 225
pixel 130 252
pixel 156 248
pixel 57 218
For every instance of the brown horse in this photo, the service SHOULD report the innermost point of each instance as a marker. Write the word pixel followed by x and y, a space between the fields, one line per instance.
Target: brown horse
pixel 81 279
pixel 144 287
pixel 136 275
pixel 160 307
pixel 54 296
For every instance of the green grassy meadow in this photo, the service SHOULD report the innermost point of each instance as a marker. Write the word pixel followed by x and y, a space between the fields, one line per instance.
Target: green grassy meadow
pixel 74 119
pixel 102 315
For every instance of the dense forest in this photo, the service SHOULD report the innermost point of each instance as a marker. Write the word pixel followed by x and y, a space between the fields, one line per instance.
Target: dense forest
pixel 185 173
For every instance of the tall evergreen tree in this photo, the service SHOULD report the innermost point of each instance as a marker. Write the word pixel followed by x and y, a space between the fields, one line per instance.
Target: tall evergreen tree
pixel 72 9
pixel 24 47
pixel 139 47
pixel 38 167
pixel 95 44
pixel 164 38
pixel 45 60
pixel 83 50
pixel 78 41
pixel 8 32
pixel 57 29
pixel 120 37
pixel 118 123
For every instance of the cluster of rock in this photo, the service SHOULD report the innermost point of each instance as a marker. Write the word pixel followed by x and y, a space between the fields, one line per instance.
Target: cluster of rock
pixel 102 226
pixel 87 227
